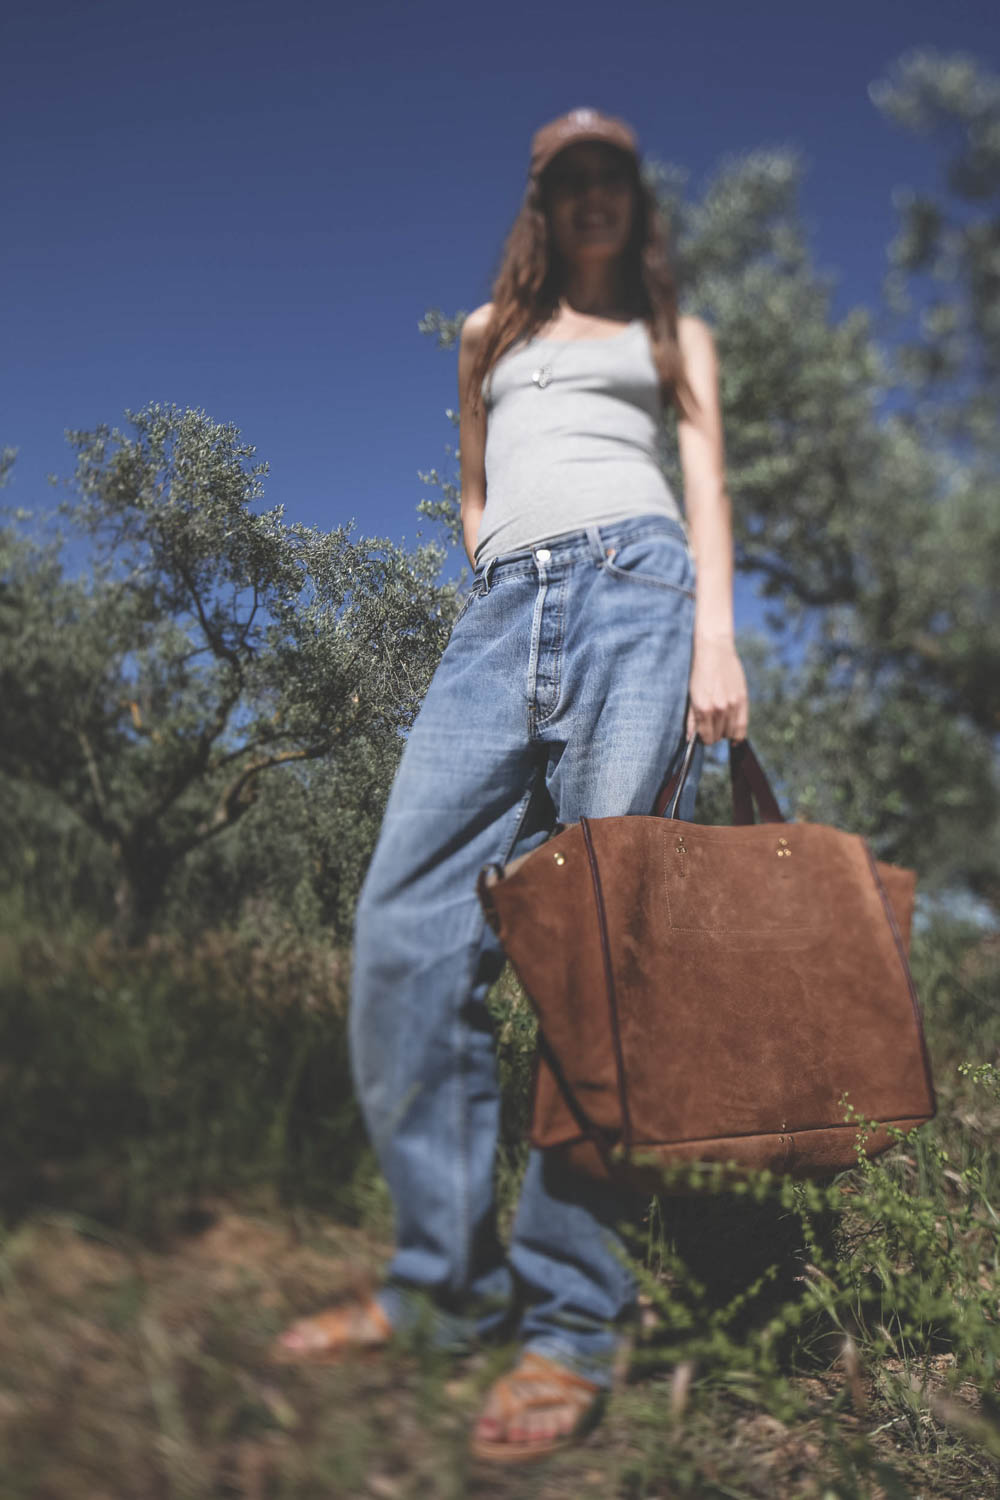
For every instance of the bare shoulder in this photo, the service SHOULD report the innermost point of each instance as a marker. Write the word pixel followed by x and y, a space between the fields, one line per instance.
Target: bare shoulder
pixel 476 323
pixel 696 339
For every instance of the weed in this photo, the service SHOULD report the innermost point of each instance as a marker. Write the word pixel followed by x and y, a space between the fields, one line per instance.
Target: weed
pixel 799 1341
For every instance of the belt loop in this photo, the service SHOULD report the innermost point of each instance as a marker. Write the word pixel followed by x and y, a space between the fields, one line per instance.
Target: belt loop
pixel 486 575
pixel 596 545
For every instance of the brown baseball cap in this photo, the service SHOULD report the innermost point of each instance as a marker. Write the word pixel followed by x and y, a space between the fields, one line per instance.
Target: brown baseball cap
pixel 579 125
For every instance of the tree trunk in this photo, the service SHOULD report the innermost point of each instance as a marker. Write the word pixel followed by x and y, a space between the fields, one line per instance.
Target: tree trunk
pixel 142 878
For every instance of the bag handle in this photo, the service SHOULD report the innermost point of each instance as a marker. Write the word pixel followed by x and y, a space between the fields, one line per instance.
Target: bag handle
pixel 746 775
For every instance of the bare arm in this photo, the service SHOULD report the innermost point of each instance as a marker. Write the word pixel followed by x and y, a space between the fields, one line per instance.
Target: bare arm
pixel 471 433
pixel 719 707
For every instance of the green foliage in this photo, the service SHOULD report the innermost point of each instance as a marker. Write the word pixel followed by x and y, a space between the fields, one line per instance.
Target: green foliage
pixel 137 1081
pixel 213 644
pixel 55 868
pixel 298 856
pixel 919 784
pixel 944 279
pixel 143 1084
pixel 879 533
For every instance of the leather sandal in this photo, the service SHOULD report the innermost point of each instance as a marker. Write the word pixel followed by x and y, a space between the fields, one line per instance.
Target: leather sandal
pixel 358 1326
pixel 519 1399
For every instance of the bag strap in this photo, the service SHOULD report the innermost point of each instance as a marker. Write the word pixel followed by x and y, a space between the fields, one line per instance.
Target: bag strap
pixel 749 785
pixel 603 1141
pixel 670 792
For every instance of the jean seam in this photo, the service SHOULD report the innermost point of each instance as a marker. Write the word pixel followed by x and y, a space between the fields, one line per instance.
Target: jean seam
pixel 560 601
pixel 425 962
pixel 534 646
pixel 475 947
pixel 466 606
pixel 650 583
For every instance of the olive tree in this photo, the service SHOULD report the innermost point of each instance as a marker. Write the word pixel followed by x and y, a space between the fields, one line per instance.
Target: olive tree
pixel 212 643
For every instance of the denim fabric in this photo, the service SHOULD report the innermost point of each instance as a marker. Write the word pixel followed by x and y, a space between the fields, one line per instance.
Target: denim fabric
pixel 562 692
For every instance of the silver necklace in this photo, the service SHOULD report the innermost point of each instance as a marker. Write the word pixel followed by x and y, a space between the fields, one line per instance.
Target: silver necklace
pixel 542 376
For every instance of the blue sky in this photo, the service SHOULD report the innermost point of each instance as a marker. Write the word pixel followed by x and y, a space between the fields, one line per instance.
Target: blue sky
pixel 248 207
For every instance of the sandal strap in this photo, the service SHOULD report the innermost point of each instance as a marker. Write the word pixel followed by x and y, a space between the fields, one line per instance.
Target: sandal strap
pixel 356 1323
pixel 538 1382
pixel 352 1320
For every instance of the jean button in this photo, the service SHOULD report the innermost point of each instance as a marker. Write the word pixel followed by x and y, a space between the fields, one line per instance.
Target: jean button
pixel 543 554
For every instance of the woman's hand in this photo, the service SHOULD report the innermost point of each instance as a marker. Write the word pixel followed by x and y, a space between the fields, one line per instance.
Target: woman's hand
pixel 719 706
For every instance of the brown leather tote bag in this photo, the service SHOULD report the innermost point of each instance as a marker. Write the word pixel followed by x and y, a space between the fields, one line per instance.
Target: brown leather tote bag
pixel 711 994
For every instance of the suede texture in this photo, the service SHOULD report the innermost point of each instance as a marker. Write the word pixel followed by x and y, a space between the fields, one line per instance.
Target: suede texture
pixel 739 982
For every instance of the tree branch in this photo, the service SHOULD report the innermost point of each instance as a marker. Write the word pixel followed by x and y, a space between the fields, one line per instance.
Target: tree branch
pixel 230 805
pixel 250 618
pixel 841 591
pixel 106 824
pixel 217 644
pixel 194 767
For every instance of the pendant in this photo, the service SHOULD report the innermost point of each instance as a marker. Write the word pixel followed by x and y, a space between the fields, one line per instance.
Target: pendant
pixel 542 376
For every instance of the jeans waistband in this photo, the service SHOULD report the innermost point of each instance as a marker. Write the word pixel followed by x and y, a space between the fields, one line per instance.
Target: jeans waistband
pixel 589 544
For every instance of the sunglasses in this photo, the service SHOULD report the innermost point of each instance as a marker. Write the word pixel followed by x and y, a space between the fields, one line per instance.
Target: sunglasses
pixel 574 181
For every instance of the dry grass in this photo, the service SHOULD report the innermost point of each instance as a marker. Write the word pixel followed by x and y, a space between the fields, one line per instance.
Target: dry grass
pixel 201 1099
pixel 129 1374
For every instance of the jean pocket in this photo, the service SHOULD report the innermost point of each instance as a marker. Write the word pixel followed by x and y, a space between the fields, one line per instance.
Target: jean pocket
pixel 657 561
pixel 473 594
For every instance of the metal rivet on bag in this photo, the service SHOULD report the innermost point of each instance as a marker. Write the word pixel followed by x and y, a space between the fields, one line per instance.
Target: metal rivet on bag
pixel 559 858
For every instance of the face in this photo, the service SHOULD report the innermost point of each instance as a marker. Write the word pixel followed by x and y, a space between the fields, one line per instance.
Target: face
pixel 590 197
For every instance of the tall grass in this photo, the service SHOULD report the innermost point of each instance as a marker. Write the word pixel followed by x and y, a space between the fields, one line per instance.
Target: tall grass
pixel 137 1083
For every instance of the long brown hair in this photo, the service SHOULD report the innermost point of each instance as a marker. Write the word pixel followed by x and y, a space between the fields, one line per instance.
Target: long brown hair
pixel 527 287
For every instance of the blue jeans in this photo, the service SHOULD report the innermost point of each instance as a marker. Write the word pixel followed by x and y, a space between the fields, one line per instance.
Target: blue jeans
pixel 562 692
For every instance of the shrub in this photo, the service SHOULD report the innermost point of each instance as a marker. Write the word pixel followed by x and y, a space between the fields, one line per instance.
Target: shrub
pixel 137 1080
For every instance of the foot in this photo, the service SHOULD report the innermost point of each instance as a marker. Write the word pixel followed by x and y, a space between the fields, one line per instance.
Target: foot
pixel 535 1410
pixel 354 1327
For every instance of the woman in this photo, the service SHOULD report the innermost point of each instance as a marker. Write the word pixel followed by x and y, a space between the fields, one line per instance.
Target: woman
pixel 582 655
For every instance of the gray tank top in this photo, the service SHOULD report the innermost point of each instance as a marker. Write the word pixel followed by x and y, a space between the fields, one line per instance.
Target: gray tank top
pixel 579 448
